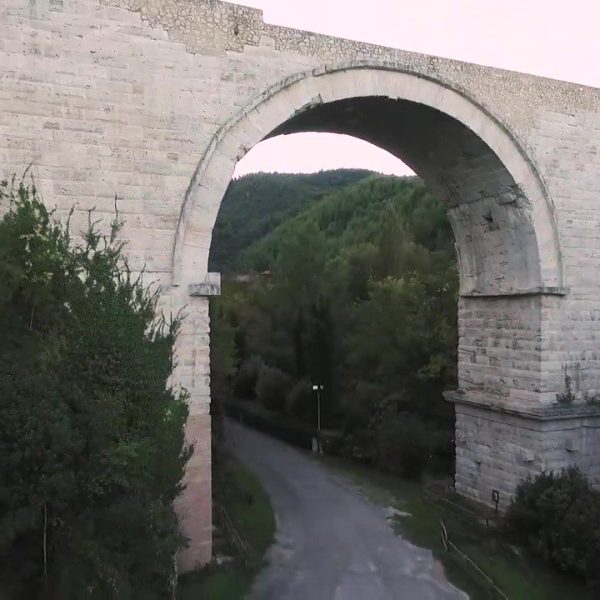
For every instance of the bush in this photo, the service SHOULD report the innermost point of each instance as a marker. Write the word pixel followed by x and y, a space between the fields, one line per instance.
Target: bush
pixel 244 384
pixel 443 449
pixel 271 388
pixel 558 516
pixel 403 446
pixel 300 401
pixel 358 425
pixel 271 423
pixel 91 436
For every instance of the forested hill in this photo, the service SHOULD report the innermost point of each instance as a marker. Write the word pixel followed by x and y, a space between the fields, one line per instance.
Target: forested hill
pixel 256 204
pixel 354 218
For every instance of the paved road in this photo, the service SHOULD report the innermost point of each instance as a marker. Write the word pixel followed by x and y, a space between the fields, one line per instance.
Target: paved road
pixel 331 543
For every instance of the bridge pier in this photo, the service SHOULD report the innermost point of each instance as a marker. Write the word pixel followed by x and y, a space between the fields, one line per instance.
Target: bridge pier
pixel 498 447
pixel 521 407
pixel 192 371
pixel 194 505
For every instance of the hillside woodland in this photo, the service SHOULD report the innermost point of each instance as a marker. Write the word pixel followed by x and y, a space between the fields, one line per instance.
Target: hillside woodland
pixel 355 290
pixel 254 205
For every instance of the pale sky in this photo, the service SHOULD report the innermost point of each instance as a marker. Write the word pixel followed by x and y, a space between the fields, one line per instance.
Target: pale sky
pixel 552 38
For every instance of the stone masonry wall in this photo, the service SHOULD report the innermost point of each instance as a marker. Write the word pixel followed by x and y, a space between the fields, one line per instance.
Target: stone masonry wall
pixel 496 450
pixel 500 349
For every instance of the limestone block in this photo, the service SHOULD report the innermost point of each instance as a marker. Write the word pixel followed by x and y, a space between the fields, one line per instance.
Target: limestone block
pixel 211 286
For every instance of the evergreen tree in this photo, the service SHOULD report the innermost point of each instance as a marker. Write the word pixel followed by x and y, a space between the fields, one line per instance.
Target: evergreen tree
pixel 91 436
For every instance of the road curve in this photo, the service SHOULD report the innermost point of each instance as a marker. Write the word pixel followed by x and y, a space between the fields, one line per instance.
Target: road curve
pixel 331 543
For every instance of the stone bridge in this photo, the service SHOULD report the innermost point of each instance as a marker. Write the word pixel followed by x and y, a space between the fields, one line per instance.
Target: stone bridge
pixel 156 100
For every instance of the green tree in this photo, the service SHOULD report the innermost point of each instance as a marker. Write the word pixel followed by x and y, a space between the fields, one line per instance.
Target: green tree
pixel 256 204
pixel 223 360
pixel 361 297
pixel 91 436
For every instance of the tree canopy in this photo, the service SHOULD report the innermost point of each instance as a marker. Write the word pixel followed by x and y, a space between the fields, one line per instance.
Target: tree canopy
pixel 357 292
pixel 91 436
pixel 256 204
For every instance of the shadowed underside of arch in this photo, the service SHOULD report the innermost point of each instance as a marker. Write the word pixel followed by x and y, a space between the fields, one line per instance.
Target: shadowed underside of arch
pixel 502 219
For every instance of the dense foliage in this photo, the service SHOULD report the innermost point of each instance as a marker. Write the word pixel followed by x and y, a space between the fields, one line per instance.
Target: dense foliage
pixel 91 436
pixel 557 516
pixel 357 292
pixel 255 204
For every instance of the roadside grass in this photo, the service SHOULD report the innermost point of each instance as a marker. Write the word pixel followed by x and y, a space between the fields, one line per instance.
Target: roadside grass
pixel 249 509
pixel 519 575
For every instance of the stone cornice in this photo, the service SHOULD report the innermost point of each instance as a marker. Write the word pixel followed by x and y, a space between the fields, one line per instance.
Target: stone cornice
pixel 211 286
pixel 543 413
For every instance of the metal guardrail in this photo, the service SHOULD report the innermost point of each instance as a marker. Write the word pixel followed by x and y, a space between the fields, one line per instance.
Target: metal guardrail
pixel 234 535
pixel 469 516
pixel 458 509
pixel 450 546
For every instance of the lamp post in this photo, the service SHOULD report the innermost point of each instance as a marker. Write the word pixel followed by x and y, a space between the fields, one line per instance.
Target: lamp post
pixel 318 388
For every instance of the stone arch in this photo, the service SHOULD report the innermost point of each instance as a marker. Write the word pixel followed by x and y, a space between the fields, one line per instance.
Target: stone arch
pixel 502 216
pixel 507 241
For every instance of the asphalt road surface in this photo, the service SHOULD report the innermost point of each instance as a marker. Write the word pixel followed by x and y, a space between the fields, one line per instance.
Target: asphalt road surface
pixel 331 543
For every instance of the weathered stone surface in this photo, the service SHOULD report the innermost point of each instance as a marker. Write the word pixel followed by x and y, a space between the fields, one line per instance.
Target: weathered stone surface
pixel 495 449
pixel 194 505
pixel 156 100
pixel 211 286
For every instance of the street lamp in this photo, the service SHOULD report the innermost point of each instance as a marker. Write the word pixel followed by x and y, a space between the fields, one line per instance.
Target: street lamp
pixel 318 388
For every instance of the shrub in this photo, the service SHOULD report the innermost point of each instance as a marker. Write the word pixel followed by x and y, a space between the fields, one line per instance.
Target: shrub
pixel 403 446
pixel 271 388
pixel 244 384
pixel 91 435
pixel 357 423
pixel 558 516
pixel 443 448
pixel 271 423
pixel 300 401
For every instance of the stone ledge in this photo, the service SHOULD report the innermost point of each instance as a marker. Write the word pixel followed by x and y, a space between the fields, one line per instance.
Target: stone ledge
pixel 211 286
pixel 543 413
pixel 534 291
